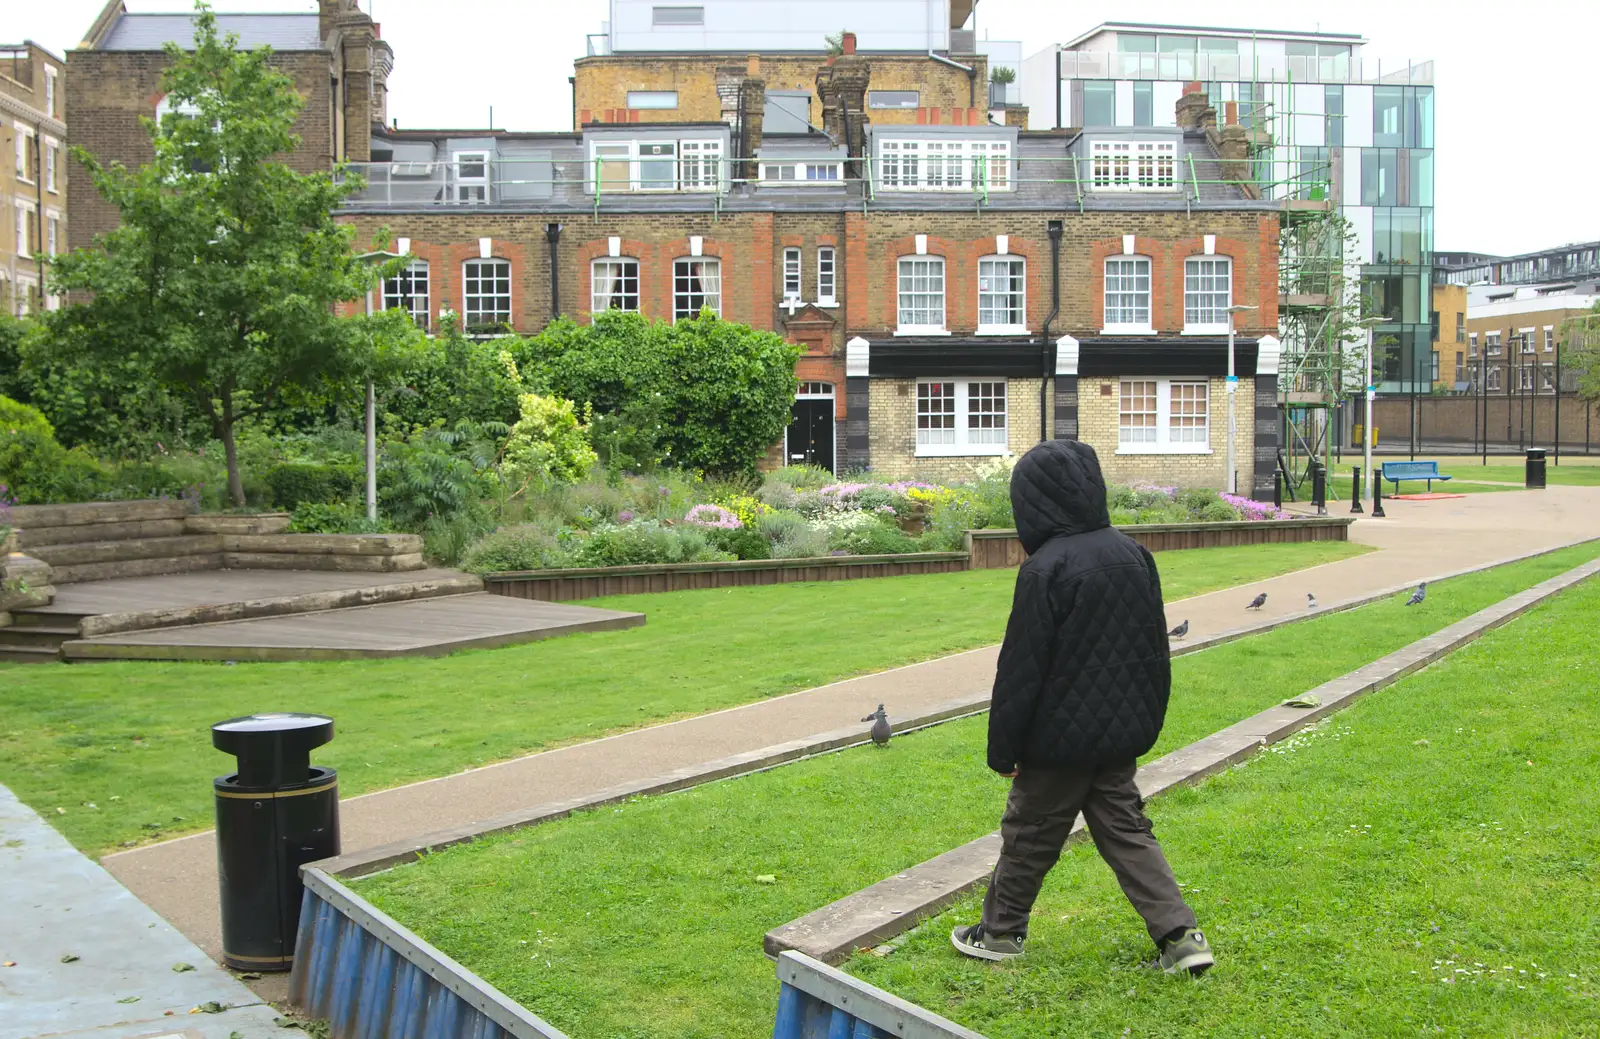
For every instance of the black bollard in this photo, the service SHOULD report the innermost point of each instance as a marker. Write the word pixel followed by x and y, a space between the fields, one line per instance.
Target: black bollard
pixel 1277 488
pixel 1377 496
pixel 1355 489
pixel 1319 488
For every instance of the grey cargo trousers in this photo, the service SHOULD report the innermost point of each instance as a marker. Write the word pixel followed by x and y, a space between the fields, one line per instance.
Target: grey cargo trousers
pixel 1043 805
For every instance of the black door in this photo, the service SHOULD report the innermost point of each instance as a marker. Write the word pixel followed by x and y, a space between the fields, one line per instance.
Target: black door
pixel 810 439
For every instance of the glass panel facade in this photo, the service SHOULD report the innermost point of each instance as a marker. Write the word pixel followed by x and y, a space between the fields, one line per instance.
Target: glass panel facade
pixel 1099 103
pixel 1143 103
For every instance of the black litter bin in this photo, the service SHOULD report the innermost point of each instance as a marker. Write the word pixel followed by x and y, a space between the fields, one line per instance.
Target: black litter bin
pixel 275 814
pixel 1535 468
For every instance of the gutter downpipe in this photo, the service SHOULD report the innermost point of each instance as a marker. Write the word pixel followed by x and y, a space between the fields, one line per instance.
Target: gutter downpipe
pixel 552 234
pixel 1046 367
pixel 970 70
pixel 1058 86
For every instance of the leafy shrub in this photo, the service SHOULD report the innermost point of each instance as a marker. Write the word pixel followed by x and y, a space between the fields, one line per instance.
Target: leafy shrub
pixel 1219 512
pixel 338 518
pixel 317 483
pixel 1151 496
pixel 1196 499
pixel 547 445
pixel 423 478
pixel 446 538
pixel 1124 517
pixel 742 542
pixel 1120 497
pixel 801 477
pixel 515 548
pixel 645 542
pixel 873 538
pixel 779 524
pixel 34 467
pixel 746 508
pixel 803 542
pixel 1168 513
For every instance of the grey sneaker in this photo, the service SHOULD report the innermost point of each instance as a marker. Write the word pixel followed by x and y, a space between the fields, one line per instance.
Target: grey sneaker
pixel 972 941
pixel 1191 953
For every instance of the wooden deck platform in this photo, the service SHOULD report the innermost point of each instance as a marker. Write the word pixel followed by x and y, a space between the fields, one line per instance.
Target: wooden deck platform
pixel 217 587
pixel 422 627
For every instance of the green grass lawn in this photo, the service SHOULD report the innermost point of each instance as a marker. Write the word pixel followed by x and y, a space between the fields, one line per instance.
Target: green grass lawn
pixel 132 738
pixel 1467 470
pixel 646 919
pixel 1424 863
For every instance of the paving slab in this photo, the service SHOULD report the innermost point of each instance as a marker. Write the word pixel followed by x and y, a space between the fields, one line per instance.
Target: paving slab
pixel 430 627
pixel 1419 540
pixel 121 984
pixel 216 587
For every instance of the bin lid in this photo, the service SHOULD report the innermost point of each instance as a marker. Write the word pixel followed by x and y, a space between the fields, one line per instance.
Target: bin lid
pixel 274 734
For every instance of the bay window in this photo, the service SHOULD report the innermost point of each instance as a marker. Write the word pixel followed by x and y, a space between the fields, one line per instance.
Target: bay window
pixel 961 417
pixel 1207 293
pixel 1127 304
pixel 1164 416
pixel 921 294
pixel 696 285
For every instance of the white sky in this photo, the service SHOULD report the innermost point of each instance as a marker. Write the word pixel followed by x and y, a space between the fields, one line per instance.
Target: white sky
pixel 1515 161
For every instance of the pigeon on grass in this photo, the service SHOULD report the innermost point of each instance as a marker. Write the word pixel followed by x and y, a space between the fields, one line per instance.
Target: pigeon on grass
pixel 1417 596
pixel 1258 602
pixel 880 726
pixel 1180 631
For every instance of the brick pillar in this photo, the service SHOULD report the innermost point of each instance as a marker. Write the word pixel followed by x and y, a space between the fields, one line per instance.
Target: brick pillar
pixel 753 101
pixel 1066 396
pixel 1269 425
pixel 857 425
pixel 357 45
pixel 1192 107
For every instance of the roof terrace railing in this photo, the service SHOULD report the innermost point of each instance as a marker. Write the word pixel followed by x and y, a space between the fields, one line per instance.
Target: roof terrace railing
pixel 1243 67
pixel 709 184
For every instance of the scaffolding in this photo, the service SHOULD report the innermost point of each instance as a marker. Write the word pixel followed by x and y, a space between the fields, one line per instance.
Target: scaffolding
pixel 1317 280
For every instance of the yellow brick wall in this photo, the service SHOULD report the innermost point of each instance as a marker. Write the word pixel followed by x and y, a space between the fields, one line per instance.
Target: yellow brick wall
pixel 602 85
pixel 893 430
pixel 1097 426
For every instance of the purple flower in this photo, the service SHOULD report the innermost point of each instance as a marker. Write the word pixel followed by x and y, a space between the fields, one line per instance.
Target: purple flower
pixel 625 516
pixel 712 516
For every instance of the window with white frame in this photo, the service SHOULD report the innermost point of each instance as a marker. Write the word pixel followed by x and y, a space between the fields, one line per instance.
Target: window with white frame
pixel 1472 344
pixel 1127 307
pixel 826 284
pixel 487 285
pixel 696 285
pixel 1492 343
pixel 944 165
pixel 1435 366
pixel 814 390
pixel 407 290
pixel 1002 294
pixel 1207 293
pixel 1525 377
pixel 961 416
pixel 921 294
pixel 655 165
pixel 51 149
pixel 791 274
pixel 50 92
pixel 1118 165
pixel 24 240
pixel 24 138
pixel 814 174
pixel 1547 377
pixel 614 285
pixel 52 234
pixel 472 176
pixel 1549 338
pixel 1527 336
pixel 1164 416
pixel 1494 378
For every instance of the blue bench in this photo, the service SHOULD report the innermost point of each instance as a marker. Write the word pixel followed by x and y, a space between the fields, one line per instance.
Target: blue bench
pixel 1394 472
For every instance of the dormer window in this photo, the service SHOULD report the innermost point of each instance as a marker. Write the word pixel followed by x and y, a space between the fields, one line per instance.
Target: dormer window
pixel 472 176
pixel 944 165
pixel 799 173
pixel 655 165
pixel 1130 165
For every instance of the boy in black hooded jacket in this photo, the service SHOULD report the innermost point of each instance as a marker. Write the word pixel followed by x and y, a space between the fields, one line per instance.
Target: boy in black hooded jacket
pixel 1080 692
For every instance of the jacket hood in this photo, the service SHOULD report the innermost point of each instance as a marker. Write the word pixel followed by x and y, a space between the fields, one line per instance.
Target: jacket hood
pixel 1057 489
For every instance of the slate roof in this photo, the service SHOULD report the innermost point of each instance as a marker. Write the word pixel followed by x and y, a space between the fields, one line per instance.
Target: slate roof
pixel 149 32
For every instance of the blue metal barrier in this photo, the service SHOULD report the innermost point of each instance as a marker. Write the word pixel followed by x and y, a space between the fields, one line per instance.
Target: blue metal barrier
pixel 370 978
pixel 815 1001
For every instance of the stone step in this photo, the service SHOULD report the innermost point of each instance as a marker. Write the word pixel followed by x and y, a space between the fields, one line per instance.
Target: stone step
pixel 29 655
pixel 41 537
pixel 376 564
pixel 26 516
pixel 79 553
pixel 31 618
pixel 35 636
pixel 78 572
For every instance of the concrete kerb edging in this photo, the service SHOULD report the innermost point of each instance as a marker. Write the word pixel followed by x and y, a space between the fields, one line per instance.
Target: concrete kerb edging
pixel 372 860
pixel 895 905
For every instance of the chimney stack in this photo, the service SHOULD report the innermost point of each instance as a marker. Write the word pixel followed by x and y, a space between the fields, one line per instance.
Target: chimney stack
pixel 847 42
pixel 1194 108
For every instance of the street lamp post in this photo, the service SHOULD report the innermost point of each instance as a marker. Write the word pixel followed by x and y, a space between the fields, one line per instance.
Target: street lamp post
pixel 1232 478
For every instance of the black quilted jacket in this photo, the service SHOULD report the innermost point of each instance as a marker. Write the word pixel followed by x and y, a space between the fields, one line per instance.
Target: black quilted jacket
pixel 1084 673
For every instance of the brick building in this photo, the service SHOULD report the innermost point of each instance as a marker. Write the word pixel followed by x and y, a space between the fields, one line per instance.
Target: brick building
pixel 33 172
pixel 962 291
pixel 335 56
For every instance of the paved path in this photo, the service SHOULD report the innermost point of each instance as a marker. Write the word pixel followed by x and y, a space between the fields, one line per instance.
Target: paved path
pixel 121 985
pixel 1419 540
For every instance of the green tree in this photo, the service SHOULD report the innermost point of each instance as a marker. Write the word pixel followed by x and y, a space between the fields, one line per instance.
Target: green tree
pixel 1580 352
pixel 730 396
pixel 222 278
